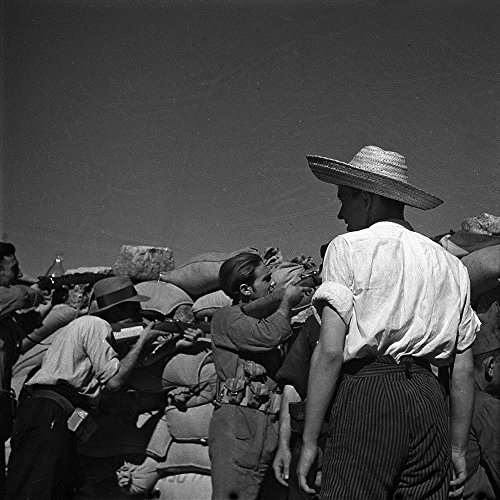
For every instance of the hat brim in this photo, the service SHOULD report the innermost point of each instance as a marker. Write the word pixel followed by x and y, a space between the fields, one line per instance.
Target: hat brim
pixel 135 298
pixel 345 174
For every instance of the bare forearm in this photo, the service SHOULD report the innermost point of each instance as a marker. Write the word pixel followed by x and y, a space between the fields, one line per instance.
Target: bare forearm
pixel 461 399
pixel 290 395
pixel 323 376
pixel 126 366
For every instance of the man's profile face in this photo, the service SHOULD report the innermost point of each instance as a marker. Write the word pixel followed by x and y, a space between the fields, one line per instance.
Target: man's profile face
pixel 262 283
pixel 9 270
pixel 352 211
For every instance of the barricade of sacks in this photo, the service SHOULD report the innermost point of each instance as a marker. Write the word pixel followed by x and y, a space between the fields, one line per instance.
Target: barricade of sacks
pixel 178 444
pixel 477 244
pixel 158 425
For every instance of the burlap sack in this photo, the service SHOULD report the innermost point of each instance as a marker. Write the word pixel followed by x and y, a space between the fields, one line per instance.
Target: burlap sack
pixel 163 297
pixel 205 306
pixel 286 273
pixel 143 263
pixel 484 269
pixel 200 275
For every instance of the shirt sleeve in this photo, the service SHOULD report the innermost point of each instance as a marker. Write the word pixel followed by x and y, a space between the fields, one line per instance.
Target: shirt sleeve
pixel 102 356
pixel 257 335
pixel 16 297
pixel 337 281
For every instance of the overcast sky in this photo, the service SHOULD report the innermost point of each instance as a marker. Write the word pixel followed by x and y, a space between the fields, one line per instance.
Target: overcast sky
pixel 186 123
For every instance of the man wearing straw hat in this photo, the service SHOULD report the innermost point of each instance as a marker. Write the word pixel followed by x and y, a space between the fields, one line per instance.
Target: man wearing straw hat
pixel 392 302
pixel 76 367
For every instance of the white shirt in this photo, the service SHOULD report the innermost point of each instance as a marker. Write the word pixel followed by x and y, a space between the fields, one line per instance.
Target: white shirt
pixel 80 356
pixel 399 293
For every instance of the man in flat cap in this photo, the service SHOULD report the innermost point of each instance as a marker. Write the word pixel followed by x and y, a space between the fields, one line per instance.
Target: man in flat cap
pixel 391 303
pixel 483 451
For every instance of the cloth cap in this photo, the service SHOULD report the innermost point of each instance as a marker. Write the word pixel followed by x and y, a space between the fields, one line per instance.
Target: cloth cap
pixel 377 171
pixel 110 292
pixel 488 337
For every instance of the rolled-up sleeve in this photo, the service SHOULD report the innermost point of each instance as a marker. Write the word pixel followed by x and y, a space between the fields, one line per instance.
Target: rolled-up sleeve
pixel 337 279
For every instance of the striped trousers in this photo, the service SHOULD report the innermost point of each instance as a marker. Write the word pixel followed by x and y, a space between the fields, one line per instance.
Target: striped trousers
pixel 389 433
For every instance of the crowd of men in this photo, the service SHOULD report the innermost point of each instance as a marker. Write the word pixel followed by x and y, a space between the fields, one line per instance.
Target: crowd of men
pixel 376 392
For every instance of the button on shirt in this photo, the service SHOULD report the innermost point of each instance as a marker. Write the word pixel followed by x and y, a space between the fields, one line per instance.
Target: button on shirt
pixel 80 356
pixel 399 293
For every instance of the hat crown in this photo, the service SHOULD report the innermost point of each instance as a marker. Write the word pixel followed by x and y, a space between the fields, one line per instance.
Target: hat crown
pixel 111 285
pixel 379 161
pixel 114 290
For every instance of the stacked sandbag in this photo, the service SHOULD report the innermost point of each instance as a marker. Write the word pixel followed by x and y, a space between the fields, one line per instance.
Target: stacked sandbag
pixel 164 298
pixel 200 275
pixel 484 269
pixel 477 244
pixel 179 442
pixel 205 306
pixel 482 224
pixel 143 263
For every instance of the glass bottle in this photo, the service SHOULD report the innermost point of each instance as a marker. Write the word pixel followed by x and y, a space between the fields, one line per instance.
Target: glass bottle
pixel 56 269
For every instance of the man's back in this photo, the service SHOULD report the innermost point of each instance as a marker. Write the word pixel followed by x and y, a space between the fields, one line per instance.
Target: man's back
pixel 402 293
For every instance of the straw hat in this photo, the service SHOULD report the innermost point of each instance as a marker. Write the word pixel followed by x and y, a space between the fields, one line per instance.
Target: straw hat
pixel 110 292
pixel 377 171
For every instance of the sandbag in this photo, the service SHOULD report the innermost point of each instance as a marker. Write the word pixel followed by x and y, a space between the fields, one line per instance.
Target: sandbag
pixel 484 269
pixel 185 486
pixel 482 224
pixel 205 306
pixel 286 273
pixel 142 263
pixel 200 274
pixel 163 297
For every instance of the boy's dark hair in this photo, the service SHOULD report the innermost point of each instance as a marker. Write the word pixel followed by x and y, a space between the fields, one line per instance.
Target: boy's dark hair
pixel 6 250
pixel 236 271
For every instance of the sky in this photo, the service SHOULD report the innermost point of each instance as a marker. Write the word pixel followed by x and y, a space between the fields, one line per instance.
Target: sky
pixel 186 124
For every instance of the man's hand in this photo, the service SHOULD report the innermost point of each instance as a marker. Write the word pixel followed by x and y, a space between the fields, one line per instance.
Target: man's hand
pixel 149 333
pixel 189 337
pixel 294 294
pixel 459 474
pixel 179 396
pixel 281 464
pixel 308 455
pixel 41 296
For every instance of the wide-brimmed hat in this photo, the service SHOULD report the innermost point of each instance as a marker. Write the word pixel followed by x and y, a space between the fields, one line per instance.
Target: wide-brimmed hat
pixel 164 297
pixel 110 292
pixel 377 171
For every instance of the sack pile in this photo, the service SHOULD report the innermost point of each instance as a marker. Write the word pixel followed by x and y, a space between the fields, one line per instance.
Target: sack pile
pixel 477 244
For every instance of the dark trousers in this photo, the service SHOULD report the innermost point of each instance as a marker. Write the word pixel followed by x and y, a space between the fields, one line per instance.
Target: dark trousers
pixel 389 434
pixel 43 463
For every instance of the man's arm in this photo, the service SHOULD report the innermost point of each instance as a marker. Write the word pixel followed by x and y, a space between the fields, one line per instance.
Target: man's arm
pixel 128 363
pixel 326 363
pixel 461 408
pixel 261 335
pixel 281 464
pixel 17 297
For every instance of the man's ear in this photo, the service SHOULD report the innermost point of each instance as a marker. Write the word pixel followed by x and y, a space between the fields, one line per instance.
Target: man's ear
pixel 367 199
pixel 488 364
pixel 245 290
